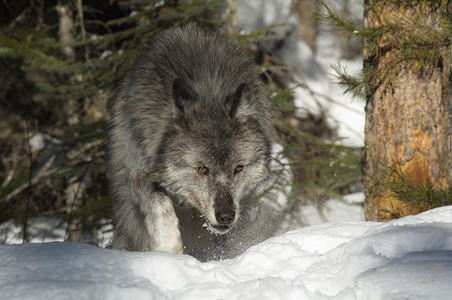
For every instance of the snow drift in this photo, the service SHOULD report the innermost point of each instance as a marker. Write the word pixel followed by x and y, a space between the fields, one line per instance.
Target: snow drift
pixel 406 258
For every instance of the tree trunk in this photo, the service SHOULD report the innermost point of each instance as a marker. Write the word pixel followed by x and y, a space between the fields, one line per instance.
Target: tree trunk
pixel 231 16
pixel 407 117
pixel 74 199
pixel 305 11
pixel 75 189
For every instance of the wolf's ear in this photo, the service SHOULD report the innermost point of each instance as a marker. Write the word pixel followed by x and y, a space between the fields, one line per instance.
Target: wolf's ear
pixel 233 100
pixel 182 94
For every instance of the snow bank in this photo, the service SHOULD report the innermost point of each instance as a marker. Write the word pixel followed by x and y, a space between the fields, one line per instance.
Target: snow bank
pixel 406 258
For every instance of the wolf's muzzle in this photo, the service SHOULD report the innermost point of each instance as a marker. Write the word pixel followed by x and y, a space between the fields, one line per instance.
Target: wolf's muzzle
pixel 225 216
pixel 224 210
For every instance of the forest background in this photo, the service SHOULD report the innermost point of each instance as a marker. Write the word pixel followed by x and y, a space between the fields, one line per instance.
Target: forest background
pixel 61 61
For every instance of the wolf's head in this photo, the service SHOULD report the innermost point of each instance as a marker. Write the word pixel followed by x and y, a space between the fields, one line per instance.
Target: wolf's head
pixel 216 152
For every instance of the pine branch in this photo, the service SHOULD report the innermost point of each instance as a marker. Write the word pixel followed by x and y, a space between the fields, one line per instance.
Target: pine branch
pixel 424 195
pixel 412 43
pixel 354 85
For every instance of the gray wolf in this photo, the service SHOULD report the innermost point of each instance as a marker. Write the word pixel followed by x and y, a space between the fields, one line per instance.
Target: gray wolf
pixel 189 143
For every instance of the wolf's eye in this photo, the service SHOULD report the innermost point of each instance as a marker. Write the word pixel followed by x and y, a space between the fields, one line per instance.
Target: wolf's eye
pixel 203 170
pixel 238 169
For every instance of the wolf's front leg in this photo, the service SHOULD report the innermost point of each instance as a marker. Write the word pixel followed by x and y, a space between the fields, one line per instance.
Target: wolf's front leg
pixel 160 220
pixel 162 224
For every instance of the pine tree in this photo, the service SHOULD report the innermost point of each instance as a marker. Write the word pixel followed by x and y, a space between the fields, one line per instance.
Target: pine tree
pixel 406 78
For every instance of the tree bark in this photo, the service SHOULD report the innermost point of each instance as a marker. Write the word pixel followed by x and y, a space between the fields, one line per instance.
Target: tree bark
pixel 407 118
pixel 75 189
pixel 231 16
pixel 74 199
pixel 66 28
pixel 305 11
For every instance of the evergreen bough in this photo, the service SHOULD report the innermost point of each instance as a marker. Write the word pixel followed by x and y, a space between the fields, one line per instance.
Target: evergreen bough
pixel 413 44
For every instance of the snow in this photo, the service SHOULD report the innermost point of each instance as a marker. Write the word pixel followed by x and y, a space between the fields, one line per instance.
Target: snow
pixel 39 229
pixel 335 210
pixel 40 140
pixel 44 229
pixel 409 258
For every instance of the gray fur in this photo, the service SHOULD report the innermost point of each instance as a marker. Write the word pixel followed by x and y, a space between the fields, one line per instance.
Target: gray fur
pixel 192 101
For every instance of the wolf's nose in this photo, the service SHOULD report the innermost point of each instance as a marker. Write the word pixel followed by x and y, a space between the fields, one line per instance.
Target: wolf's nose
pixel 225 216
